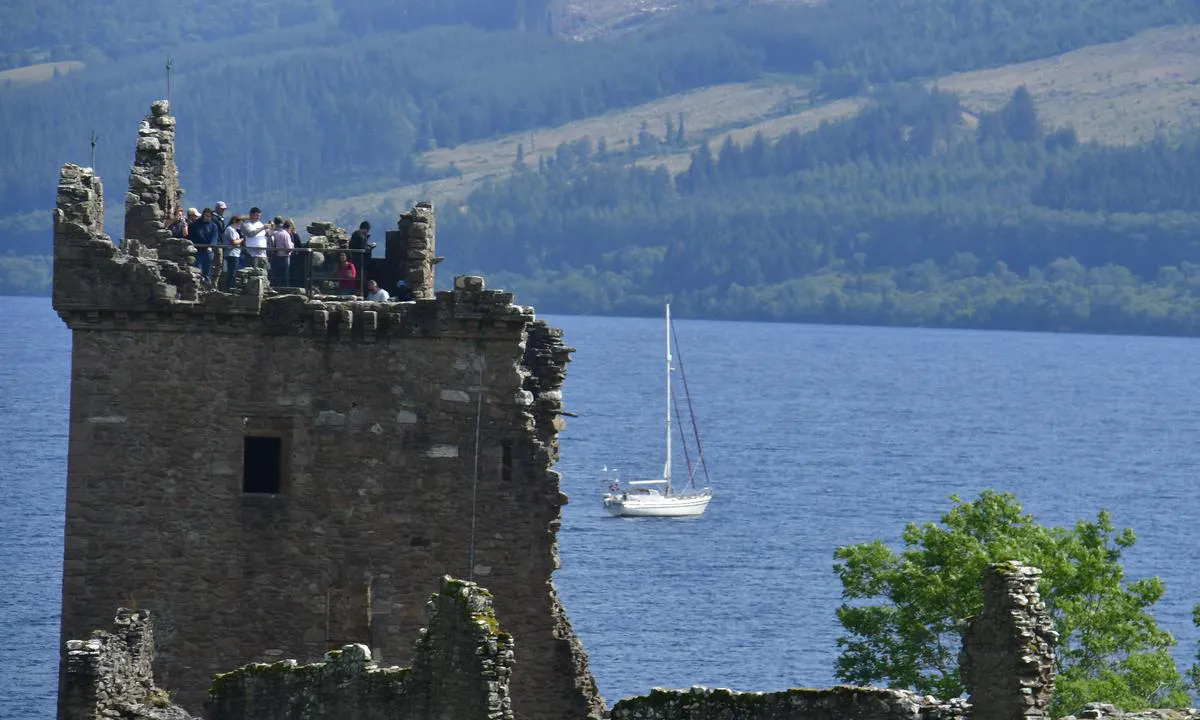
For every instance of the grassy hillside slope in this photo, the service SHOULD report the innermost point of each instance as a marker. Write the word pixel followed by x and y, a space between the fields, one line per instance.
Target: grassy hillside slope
pixel 1116 93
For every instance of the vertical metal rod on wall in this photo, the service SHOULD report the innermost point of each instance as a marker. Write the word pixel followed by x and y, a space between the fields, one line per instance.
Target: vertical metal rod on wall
pixel 169 61
pixel 475 483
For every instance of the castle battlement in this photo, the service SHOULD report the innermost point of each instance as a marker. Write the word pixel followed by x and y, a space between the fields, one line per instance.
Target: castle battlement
pixel 278 472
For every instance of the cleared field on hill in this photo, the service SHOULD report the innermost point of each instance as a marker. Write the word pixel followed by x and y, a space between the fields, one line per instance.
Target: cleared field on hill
pixel 1115 93
pixel 705 112
pixel 38 73
pixel 1118 93
pixel 596 19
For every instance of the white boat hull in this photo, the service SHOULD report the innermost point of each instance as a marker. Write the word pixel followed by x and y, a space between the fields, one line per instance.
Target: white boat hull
pixel 690 504
pixel 653 498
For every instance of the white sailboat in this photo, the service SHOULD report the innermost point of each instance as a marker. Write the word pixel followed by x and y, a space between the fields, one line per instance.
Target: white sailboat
pixel 656 498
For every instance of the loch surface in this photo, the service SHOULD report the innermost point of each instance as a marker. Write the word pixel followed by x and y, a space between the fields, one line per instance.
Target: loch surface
pixel 817 436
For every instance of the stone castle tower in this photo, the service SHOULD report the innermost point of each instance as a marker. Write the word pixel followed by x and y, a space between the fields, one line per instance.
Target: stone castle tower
pixel 276 474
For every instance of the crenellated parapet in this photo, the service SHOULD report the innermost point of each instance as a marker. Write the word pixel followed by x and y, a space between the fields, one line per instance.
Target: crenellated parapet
pixel 90 273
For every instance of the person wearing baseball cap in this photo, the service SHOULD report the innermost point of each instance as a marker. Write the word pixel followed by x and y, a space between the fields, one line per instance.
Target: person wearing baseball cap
pixel 219 214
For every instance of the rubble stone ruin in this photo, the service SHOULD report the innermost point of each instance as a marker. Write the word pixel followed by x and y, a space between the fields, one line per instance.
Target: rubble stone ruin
pixel 1007 658
pixel 273 475
pixel 463 661
pixel 1007 664
pixel 460 669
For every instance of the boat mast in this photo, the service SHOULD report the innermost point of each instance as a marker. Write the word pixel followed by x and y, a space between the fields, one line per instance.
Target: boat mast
pixel 667 467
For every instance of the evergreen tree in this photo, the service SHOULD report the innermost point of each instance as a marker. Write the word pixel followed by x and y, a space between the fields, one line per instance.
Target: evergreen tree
pixel 1020 117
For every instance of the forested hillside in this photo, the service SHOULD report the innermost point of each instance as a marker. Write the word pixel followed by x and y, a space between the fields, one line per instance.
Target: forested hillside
pixel 306 99
pixel 45 30
pixel 904 214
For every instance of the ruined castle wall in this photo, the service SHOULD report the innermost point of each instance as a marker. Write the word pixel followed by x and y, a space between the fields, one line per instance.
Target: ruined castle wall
pixel 373 408
pixel 1007 658
pixel 1007 665
pixel 460 670
pixel 109 675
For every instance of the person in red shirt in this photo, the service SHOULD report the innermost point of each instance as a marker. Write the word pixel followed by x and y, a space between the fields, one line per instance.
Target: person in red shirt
pixel 347 275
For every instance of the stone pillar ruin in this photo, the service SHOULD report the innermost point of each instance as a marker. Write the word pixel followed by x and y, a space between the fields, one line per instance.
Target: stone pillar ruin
pixel 1007 658
pixel 154 190
pixel 412 250
pixel 111 675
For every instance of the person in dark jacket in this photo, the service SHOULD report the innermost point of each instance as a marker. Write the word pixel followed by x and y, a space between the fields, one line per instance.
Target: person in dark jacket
pixel 219 215
pixel 300 260
pixel 205 231
pixel 361 240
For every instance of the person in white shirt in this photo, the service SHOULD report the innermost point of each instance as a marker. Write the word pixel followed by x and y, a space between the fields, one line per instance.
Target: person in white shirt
pixel 232 240
pixel 376 293
pixel 254 235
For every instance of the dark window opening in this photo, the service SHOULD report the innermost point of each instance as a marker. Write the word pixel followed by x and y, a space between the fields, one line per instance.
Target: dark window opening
pixel 506 462
pixel 262 465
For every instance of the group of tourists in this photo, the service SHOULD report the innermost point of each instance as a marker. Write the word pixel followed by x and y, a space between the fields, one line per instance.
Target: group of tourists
pixel 249 241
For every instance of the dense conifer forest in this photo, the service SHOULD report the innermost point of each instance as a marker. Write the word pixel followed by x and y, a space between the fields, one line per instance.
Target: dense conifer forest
pixel 914 212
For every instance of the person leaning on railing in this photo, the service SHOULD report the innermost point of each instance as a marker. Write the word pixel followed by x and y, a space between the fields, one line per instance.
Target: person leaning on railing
pixel 232 239
pixel 346 275
pixel 281 253
pixel 205 232
pixel 254 238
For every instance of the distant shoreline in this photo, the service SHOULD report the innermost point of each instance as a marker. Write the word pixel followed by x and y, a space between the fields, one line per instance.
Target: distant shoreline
pixel 8 295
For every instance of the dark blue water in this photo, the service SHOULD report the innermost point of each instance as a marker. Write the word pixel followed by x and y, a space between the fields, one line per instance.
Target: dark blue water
pixel 817 437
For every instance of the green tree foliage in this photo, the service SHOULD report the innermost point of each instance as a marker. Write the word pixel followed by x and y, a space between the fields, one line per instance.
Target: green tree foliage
pixel 904 611
pixel 1017 121
pixel 1161 175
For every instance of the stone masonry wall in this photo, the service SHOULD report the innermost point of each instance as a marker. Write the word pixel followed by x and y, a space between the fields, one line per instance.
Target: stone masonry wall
pixel 461 667
pixel 839 703
pixel 376 411
pixel 110 675
pixel 1007 658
